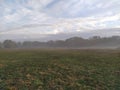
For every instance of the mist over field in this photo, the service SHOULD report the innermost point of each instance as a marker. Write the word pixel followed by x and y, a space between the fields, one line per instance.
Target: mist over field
pixel 95 42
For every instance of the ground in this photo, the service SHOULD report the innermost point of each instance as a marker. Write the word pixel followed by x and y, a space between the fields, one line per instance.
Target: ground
pixel 59 69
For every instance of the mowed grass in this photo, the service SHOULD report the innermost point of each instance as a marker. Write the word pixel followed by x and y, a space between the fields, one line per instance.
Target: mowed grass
pixel 59 70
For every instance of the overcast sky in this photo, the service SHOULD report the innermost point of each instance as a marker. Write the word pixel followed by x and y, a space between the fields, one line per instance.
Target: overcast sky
pixel 41 18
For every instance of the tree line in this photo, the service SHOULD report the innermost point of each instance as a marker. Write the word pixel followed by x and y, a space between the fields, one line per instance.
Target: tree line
pixel 74 42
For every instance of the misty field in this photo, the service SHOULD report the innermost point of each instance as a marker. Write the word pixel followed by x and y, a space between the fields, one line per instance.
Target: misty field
pixel 59 70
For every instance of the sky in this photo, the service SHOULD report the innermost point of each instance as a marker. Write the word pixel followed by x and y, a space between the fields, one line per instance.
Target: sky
pixel 39 19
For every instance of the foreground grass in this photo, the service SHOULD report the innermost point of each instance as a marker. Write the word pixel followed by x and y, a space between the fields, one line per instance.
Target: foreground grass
pixel 59 70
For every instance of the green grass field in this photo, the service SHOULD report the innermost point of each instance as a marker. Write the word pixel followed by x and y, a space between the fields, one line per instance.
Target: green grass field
pixel 59 70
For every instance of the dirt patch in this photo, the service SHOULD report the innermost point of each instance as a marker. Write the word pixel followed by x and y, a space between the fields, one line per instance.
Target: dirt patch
pixel 1 65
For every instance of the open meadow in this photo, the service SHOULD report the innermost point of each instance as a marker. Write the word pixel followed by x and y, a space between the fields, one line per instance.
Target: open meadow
pixel 59 69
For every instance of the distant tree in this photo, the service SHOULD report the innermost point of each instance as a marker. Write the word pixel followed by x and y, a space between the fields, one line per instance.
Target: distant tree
pixel 0 45
pixel 9 44
pixel 28 44
pixel 75 42
pixel 19 45
pixel 115 37
pixel 95 38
